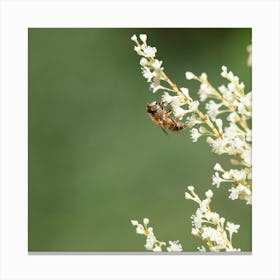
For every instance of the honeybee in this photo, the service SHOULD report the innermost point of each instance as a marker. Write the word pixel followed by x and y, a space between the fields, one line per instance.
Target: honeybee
pixel 162 118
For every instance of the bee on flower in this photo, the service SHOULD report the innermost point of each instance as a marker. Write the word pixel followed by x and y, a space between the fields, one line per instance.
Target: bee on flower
pixel 225 127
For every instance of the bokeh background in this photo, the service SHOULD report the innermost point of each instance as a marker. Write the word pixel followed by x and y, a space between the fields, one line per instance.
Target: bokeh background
pixel 95 159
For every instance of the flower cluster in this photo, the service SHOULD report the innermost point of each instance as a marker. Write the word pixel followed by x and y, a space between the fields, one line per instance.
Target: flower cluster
pixel 236 136
pixel 240 179
pixel 226 128
pixel 209 226
pixel 151 67
pixel 152 244
pixel 226 135
pixel 231 100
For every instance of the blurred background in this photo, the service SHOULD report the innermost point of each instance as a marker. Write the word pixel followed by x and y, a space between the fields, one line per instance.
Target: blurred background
pixel 95 159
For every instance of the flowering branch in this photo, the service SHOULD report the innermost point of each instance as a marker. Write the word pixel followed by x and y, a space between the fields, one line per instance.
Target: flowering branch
pixel 153 72
pixel 209 226
pixel 232 136
pixel 152 244
pixel 225 96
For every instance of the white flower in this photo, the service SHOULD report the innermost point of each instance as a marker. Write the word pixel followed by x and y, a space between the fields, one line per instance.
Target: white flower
pixel 191 188
pixel 179 113
pixel 185 92
pixel 224 71
pixel 155 85
pixel 210 140
pixel 193 105
pixel 188 196
pixel 189 75
pixel 213 109
pixel 247 156
pixel 222 221
pixel 232 228
pixel 234 88
pixel 248 199
pixel 231 86
pixel 157 248
pixel 218 145
pixel 241 108
pixel 138 50
pixel 144 61
pixel 150 51
pixel 134 38
pixel 151 239
pixel 167 98
pixel 157 65
pixel 238 175
pixel 148 74
pixel 234 192
pixel 193 120
pixel 209 194
pixel 242 192
pixel 218 167
pixel 232 117
pixel 195 231
pixel 244 105
pixel 195 134
pixel 244 189
pixel 203 77
pixel 230 76
pixel 149 231
pixel 219 124
pixel 217 180
pixel 174 101
pixel 213 217
pixel 146 221
pixel 216 236
pixel 204 205
pixel 175 246
pixel 205 91
pixel 143 38
pixel 201 249
pixel 134 222
pixel 227 175
pixel 207 232
pixel 197 220
pixel 222 89
pixel 140 229
pixel 227 94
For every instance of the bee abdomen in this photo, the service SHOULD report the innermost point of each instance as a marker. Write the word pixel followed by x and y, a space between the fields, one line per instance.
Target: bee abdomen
pixel 178 126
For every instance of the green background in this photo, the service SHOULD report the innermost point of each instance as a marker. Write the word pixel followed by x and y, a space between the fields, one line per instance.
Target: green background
pixel 95 159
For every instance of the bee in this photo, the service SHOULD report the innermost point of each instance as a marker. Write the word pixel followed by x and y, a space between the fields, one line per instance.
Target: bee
pixel 162 118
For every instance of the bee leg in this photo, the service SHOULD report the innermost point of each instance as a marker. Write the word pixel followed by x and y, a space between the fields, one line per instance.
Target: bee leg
pixel 164 130
pixel 169 112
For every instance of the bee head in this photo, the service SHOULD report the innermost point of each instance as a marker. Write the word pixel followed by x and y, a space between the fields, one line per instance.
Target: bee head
pixel 152 107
